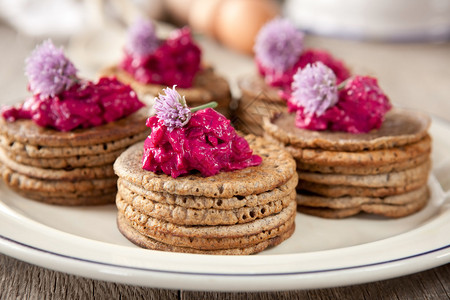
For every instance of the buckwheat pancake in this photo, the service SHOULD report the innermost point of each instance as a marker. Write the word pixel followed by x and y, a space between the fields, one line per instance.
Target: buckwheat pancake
pixel 202 202
pixel 360 162
pixel 31 184
pixel 57 174
pixel 350 202
pixel 254 109
pixel 207 87
pixel 328 212
pixel 109 191
pixel 78 161
pixel 246 127
pixel 190 216
pixel 27 132
pixel 146 242
pixel 392 206
pixel 392 161
pixel 359 191
pixel 255 87
pixel 368 158
pixel 61 192
pixel 400 127
pixel 238 212
pixel 81 200
pixel 258 100
pixel 277 168
pixel 211 237
pixel 39 151
pixel 391 179
pixel 358 169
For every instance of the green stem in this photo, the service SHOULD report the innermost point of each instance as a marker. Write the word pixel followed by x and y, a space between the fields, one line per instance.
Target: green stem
pixel 207 105
pixel 342 84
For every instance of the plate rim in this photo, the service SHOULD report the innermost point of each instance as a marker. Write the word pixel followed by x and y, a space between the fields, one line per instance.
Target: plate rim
pixel 65 256
pixel 269 281
pixel 230 282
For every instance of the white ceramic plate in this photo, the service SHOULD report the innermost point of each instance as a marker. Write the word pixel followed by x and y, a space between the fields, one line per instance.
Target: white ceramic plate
pixel 321 253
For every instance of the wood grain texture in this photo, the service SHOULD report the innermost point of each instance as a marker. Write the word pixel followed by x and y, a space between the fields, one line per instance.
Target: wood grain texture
pixel 431 284
pixel 20 280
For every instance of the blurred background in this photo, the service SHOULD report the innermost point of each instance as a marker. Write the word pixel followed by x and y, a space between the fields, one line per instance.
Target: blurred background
pixel 235 22
pixel 405 43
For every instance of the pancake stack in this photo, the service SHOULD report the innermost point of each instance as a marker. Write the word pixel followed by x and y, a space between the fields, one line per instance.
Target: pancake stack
pixel 231 213
pixel 66 168
pixel 383 172
pixel 207 86
pixel 258 100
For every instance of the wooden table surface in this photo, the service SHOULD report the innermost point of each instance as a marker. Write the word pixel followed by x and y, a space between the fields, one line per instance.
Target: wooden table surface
pixel 415 75
pixel 19 280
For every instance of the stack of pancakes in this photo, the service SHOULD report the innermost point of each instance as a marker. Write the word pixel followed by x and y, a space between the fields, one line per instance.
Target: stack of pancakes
pixel 66 168
pixel 207 86
pixel 382 172
pixel 258 100
pixel 231 213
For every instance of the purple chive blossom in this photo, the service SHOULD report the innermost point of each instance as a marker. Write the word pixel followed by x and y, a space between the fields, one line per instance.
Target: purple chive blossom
pixel 172 108
pixel 314 88
pixel 142 39
pixel 278 45
pixel 49 72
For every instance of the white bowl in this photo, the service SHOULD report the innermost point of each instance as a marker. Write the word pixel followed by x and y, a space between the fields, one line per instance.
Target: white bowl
pixel 398 20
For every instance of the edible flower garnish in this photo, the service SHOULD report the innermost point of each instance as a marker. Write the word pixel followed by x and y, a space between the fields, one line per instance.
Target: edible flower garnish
pixel 173 110
pixel 314 88
pixel 142 39
pixel 278 45
pixel 49 71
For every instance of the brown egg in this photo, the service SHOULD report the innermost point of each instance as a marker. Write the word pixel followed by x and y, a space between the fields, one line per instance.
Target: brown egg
pixel 202 15
pixel 238 21
pixel 178 10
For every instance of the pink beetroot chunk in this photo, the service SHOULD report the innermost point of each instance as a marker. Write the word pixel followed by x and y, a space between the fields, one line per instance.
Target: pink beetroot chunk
pixel 175 61
pixel 84 105
pixel 208 144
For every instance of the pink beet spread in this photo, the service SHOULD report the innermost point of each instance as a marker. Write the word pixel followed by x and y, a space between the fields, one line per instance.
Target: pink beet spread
pixel 361 107
pixel 175 61
pixel 83 105
pixel 208 144
pixel 283 80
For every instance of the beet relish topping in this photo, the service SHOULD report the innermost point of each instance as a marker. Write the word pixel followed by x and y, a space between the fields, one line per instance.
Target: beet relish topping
pixel 81 106
pixel 280 53
pixel 204 141
pixel 310 56
pixel 65 102
pixel 358 105
pixel 175 60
